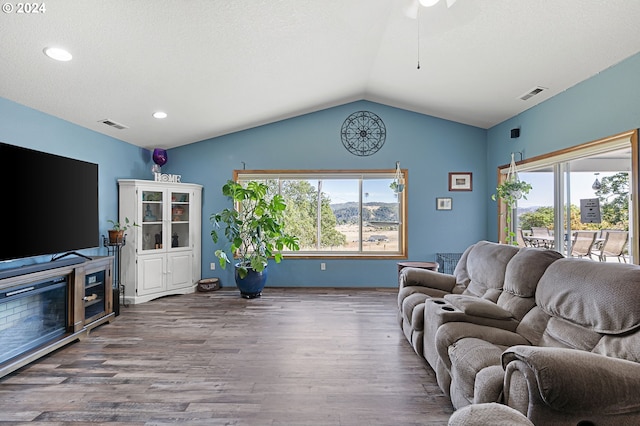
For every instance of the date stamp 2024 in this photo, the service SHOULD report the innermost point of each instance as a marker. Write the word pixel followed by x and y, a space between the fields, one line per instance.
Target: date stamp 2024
pixel 24 8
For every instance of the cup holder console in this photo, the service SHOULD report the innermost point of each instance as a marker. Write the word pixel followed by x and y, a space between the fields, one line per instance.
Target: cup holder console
pixel 444 305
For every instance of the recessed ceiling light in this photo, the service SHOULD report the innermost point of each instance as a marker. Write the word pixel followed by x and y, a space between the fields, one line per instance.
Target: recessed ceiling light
pixel 160 114
pixel 57 54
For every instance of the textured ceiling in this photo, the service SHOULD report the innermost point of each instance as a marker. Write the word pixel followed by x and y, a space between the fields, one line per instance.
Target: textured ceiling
pixel 221 66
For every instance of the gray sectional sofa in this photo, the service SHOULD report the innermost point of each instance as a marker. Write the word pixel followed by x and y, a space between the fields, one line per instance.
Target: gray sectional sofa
pixel 557 339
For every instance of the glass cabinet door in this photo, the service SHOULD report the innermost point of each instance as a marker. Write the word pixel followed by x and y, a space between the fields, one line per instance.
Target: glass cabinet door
pixel 179 219
pixel 152 216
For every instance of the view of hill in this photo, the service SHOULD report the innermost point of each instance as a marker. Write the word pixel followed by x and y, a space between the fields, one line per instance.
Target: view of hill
pixel 531 209
pixel 375 211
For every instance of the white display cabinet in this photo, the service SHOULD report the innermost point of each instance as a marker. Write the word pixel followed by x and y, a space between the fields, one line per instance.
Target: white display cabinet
pixel 162 255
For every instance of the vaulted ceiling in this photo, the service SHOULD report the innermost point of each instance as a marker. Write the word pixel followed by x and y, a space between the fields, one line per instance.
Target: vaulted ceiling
pixel 220 66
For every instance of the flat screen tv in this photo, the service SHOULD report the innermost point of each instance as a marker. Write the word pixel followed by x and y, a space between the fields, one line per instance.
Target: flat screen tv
pixel 49 204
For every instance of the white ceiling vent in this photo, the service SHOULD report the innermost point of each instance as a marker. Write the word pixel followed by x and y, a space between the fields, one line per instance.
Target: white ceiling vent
pixel 113 124
pixel 531 93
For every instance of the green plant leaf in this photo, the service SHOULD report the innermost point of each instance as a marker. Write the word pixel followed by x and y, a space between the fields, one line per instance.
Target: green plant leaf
pixel 510 191
pixel 255 227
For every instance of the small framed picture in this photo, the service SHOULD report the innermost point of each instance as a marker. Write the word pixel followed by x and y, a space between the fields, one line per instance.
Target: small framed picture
pixel 443 203
pixel 460 181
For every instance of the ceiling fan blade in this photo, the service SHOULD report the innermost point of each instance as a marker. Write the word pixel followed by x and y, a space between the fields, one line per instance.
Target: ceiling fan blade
pixel 450 3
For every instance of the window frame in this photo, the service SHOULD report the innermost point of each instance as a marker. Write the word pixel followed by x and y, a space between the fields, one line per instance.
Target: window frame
pixel 628 139
pixel 360 174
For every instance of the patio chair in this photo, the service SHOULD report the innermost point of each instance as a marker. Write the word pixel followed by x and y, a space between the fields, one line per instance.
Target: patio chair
pixel 613 245
pixel 582 245
pixel 540 231
pixel 522 242
pixel 541 237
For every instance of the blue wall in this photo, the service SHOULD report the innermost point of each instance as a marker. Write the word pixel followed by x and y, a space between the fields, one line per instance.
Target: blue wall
pixel 29 128
pixel 604 105
pixel 428 147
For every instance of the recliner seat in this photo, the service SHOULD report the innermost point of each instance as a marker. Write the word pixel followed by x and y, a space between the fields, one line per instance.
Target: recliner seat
pixel 574 357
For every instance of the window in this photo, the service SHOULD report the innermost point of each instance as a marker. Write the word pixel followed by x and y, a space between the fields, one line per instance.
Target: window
pixel 564 181
pixel 343 214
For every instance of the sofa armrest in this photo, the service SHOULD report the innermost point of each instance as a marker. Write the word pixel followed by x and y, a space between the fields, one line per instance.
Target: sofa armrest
pixel 438 311
pixel 426 278
pixel 551 382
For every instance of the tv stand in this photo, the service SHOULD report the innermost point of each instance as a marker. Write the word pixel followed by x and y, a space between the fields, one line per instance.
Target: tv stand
pixel 37 267
pixel 69 253
pixel 88 304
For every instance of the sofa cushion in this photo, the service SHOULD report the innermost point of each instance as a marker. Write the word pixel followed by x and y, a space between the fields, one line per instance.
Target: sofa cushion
pixel 561 333
pixel 493 414
pixel 477 307
pixel 526 268
pixel 489 384
pixel 625 347
pixel 600 296
pixel 533 324
pixel 416 277
pixel 460 271
pixel 521 279
pixel 486 265
pixel 492 294
pixel 413 310
pixel 468 356
pixel 517 305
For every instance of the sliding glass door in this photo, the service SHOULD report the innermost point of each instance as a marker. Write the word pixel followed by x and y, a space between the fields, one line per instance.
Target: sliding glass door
pixel 584 192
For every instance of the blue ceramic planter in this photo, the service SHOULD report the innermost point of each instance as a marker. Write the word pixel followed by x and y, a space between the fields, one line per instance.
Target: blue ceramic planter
pixel 252 285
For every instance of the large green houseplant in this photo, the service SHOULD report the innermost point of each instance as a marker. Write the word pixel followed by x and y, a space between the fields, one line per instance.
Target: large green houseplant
pixel 254 229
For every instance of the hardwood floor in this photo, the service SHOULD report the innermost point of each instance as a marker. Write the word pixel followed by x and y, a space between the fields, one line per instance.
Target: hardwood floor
pixel 292 357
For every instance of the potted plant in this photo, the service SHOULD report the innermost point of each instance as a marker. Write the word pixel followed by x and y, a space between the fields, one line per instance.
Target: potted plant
pixel 397 186
pixel 116 233
pixel 510 191
pixel 255 231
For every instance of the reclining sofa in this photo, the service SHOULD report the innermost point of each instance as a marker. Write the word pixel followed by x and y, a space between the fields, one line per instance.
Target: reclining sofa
pixel 485 262
pixel 561 343
pixel 479 276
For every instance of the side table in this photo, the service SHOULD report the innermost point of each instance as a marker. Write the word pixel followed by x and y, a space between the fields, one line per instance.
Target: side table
pixel 422 265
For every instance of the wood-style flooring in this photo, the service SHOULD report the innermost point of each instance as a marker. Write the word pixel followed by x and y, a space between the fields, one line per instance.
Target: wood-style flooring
pixel 292 357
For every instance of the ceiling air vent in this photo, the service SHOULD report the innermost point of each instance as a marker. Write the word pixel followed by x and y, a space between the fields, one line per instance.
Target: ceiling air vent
pixel 531 93
pixel 114 124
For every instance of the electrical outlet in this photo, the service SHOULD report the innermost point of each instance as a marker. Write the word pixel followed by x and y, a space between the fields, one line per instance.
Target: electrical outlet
pixel 323 266
pixel 213 266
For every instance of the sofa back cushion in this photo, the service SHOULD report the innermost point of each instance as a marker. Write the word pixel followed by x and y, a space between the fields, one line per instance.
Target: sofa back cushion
pixel 626 346
pixel 599 296
pixel 560 333
pixel 460 271
pixel 523 272
pixel 485 265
